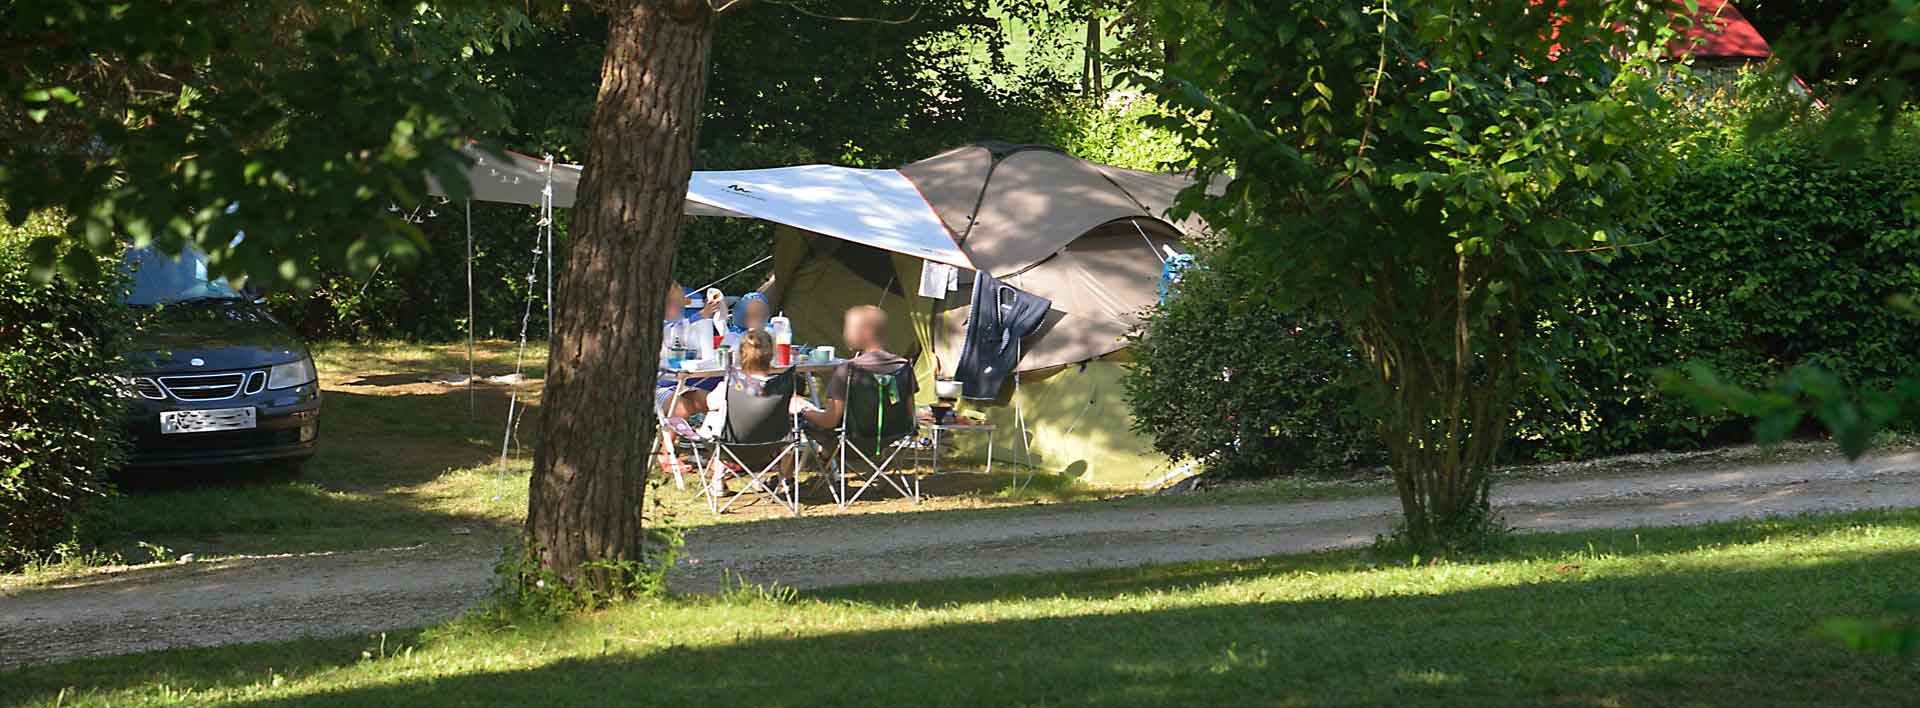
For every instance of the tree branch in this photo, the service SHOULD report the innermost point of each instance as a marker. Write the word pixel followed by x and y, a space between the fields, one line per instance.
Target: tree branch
pixel 802 9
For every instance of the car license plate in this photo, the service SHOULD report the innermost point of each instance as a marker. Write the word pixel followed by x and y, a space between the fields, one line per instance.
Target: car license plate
pixel 205 421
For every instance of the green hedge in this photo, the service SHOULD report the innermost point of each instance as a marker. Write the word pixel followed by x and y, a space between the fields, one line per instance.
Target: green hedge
pixel 1766 256
pixel 60 429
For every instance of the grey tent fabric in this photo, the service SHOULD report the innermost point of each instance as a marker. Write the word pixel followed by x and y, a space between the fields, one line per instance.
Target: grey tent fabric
pixel 1086 236
pixel 1012 206
pixel 1100 285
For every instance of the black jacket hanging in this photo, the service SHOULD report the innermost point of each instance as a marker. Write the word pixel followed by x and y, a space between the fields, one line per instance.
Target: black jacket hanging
pixel 1001 316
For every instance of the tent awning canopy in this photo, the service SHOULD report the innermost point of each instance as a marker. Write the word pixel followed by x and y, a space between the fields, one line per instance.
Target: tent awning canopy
pixel 878 208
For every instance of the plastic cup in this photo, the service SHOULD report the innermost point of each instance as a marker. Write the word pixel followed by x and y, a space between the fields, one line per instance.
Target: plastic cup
pixel 783 354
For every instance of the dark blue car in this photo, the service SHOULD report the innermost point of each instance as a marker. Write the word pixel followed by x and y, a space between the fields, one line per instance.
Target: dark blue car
pixel 214 378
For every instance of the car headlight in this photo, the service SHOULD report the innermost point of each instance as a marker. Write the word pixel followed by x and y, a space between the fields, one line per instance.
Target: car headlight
pixel 291 374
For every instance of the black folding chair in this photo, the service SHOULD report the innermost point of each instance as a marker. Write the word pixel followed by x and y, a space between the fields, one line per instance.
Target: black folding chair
pixel 759 433
pixel 877 425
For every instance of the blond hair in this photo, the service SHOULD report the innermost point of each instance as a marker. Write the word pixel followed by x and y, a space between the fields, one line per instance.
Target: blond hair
pixel 756 351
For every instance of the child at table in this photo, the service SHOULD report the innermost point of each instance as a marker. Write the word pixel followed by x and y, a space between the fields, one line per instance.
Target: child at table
pixel 756 367
pixel 749 314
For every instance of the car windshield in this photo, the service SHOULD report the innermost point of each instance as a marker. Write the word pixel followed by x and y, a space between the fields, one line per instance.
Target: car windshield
pixel 158 279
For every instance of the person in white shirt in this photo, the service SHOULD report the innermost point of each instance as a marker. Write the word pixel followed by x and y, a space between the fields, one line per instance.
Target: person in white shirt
pixel 693 399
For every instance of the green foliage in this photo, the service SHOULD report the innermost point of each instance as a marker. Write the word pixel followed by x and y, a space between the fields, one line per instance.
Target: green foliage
pixel 426 300
pixel 1117 132
pixel 1766 257
pixel 191 121
pixel 1865 57
pixel 524 588
pixel 60 426
pixel 1223 375
pixel 1422 172
pixel 852 93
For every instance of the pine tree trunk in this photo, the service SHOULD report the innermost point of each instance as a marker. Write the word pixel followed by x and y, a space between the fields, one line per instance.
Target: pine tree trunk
pixel 596 414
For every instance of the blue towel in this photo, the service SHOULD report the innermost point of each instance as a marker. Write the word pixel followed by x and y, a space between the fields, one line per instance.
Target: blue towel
pixel 1171 271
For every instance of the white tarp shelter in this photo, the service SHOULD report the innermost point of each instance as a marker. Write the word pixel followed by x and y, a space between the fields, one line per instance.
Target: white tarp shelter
pixel 878 208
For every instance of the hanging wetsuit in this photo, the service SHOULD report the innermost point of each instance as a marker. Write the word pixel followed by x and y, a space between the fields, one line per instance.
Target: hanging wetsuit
pixel 1001 316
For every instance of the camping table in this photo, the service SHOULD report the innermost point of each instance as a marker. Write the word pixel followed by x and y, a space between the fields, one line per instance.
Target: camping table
pixel 809 369
pixel 939 428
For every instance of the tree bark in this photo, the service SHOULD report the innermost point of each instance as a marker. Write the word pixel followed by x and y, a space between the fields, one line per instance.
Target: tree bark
pixel 596 415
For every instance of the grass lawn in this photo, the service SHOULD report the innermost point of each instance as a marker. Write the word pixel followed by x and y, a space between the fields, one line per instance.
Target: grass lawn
pixel 1711 615
pixel 405 461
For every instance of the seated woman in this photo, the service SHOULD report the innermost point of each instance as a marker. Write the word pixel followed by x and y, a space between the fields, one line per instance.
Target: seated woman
pixel 749 314
pixel 756 368
pixel 693 399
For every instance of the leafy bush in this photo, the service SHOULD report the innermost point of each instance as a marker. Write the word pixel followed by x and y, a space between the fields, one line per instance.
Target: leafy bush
pixel 1767 256
pixel 1222 375
pixel 59 409
pixel 1115 132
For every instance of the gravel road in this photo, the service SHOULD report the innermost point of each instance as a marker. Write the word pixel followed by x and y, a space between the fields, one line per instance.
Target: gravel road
pixel 266 598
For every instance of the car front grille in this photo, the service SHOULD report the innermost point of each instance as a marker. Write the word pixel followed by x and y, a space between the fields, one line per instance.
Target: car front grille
pixel 204 387
pixel 148 389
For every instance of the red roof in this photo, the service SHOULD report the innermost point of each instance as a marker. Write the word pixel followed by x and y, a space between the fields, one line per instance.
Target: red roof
pixel 1721 32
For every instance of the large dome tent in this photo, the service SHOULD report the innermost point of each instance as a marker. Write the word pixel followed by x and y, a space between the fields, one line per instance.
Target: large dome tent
pixel 1089 238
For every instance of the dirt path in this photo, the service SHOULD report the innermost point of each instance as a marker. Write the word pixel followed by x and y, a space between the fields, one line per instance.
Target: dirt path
pixel 284 597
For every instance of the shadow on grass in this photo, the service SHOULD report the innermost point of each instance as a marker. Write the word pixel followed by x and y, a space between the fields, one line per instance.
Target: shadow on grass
pixel 384 474
pixel 1106 584
pixel 1707 635
pixel 1733 637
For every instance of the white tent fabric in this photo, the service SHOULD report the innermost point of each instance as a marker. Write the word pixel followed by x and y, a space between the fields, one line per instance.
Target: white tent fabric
pixel 878 208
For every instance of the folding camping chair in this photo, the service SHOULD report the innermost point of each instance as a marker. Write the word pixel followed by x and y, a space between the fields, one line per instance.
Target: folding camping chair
pixel 686 440
pixel 758 434
pixel 878 419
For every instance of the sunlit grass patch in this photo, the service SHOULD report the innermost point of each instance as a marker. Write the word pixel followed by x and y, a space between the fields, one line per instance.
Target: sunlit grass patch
pixel 492 357
pixel 1707 615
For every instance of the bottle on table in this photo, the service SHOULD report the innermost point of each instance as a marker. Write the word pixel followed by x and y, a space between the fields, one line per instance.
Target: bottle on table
pixel 782 330
pixel 701 339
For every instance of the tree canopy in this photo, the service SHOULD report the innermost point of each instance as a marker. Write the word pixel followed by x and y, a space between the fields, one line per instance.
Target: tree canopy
pixel 190 121
pixel 1429 174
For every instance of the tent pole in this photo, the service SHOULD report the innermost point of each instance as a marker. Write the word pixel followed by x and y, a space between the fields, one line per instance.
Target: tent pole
pixel 729 276
pixel 1026 455
pixel 1155 250
pixel 473 408
pixel 549 229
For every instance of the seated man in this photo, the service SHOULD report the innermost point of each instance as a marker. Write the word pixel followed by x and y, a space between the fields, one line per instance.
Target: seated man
pixel 865 330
